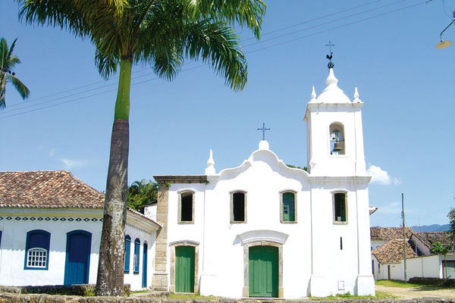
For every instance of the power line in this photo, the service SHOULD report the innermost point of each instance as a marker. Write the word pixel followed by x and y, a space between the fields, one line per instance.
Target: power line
pixel 19 106
pixel 199 66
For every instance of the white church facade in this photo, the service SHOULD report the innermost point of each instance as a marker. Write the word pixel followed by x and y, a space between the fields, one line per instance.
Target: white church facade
pixel 264 229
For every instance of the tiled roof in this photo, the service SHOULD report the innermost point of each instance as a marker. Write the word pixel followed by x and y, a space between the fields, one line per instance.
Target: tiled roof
pixel 392 252
pixel 388 233
pixel 431 237
pixel 47 189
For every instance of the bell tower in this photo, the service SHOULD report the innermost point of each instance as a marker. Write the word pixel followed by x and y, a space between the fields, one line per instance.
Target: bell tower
pixel 334 131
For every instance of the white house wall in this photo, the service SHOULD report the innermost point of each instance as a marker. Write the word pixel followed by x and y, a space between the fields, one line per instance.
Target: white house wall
pixel 13 244
pixel 135 279
pixel 14 233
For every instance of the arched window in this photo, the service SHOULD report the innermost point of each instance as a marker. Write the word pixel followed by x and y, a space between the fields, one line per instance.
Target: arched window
pixel 288 207
pixel 238 207
pixel 137 248
pixel 37 249
pixel 339 208
pixel 186 206
pixel 337 146
pixel 127 253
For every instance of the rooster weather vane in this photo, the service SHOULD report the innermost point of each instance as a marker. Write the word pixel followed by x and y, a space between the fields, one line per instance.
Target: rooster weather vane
pixel 330 56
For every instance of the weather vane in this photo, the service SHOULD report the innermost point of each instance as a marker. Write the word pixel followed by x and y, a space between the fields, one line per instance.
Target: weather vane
pixel 263 130
pixel 330 56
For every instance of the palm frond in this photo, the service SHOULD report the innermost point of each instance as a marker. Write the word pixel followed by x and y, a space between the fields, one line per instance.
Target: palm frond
pixel 243 12
pixel 20 87
pixel 217 44
pixel 107 65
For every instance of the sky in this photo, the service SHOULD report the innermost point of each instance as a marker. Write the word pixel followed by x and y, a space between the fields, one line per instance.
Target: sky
pixel 386 48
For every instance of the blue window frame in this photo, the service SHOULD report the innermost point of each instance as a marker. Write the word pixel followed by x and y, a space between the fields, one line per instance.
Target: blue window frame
pixel 127 253
pixel 37 249
pixel 137 248
pixel 0 238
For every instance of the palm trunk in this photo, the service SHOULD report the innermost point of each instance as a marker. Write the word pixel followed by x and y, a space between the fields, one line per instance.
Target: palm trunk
pixel 111 265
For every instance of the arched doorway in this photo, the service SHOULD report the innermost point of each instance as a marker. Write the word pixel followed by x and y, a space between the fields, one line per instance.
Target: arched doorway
pixel 77 264
pixel 263 270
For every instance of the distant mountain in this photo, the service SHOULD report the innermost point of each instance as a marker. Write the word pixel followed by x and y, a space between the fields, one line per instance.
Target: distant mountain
pixel 431 228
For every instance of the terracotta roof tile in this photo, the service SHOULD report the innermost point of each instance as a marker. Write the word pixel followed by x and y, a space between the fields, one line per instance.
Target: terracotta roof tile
pixel 388 233
pixel 392 252
pixel 47 189
pixel 431 237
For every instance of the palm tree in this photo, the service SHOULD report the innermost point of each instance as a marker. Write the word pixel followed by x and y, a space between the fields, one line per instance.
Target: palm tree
pixel 142 193
pixel 159 32
pixel 7 63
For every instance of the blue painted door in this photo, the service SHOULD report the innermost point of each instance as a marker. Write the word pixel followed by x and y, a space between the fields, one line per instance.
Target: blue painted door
pixel 77 264
pixel 144 267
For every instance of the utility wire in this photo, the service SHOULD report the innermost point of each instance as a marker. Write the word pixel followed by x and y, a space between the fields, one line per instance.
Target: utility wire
pixel 102 84
pixel 200 66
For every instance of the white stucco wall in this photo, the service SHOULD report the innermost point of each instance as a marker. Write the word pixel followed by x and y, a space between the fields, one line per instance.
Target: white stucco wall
pixel 132 278
pixel 312 247
pixel 13 244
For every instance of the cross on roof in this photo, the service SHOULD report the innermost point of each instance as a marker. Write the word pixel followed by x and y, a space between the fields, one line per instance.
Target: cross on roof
pixel 330 44
pixel 263 130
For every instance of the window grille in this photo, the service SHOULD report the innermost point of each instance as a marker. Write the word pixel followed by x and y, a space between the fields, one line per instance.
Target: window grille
pixel 36 257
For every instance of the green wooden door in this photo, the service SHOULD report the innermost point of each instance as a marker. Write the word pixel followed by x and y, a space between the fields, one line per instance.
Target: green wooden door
pixel 184 269
pixel 263 271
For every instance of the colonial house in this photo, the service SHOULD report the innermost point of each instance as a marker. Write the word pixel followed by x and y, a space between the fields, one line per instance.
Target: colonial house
pixel 264 229
pixel 388 258
pixel 50 231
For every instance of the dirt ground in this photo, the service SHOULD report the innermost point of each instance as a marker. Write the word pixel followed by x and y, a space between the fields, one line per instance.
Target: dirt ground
pixel 417 292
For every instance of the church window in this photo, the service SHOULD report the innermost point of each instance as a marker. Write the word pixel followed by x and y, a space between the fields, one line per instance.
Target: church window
pixel 186 206
pixel 37 249
pixel 137 249
pixel 337 146
pixel 238 207
pixel 127 253
pixel 339 202
pixel 288 207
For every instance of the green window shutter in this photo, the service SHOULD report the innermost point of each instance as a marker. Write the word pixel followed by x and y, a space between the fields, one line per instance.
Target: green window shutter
pixel 263 271
pixel 184 269
pixel 288 207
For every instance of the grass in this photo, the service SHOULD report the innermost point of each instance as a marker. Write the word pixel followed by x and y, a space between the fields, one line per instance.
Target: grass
pixel 400 284
pixel 379 295
pixel 190 296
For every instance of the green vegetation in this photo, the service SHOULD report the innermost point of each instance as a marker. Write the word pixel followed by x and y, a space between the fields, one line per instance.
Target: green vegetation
pixel 190 296
pixel 379 295
pixel 7 63
pixel 401 284
pixel 142 193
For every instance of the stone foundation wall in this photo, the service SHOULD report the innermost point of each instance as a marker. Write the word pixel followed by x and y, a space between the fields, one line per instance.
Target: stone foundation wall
pixel 40 298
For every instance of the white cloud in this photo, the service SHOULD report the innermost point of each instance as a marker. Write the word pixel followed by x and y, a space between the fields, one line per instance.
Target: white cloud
pixel 381 176
pixel 52 152
pixel 71 163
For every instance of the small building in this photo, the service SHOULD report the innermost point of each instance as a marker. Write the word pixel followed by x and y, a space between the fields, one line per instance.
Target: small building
pixel 388 258
pixel 50 231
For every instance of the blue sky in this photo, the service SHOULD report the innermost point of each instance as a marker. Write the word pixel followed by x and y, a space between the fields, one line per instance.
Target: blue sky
pixel 384 47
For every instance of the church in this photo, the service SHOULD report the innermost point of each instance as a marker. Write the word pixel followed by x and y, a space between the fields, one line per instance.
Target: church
pixel 264 229
pixel 261 229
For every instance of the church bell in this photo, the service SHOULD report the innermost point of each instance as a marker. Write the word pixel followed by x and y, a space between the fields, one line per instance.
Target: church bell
pixel 339 146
